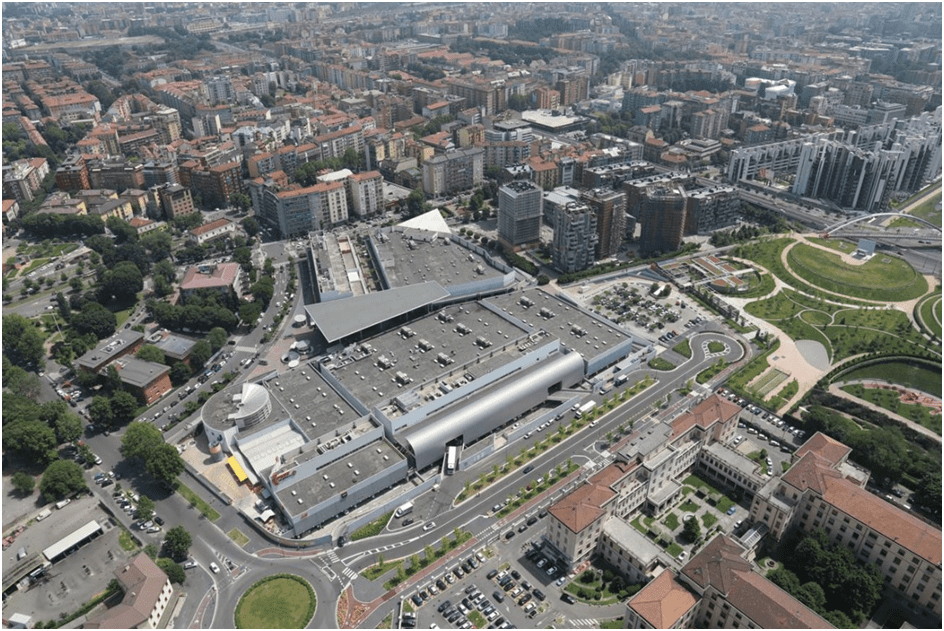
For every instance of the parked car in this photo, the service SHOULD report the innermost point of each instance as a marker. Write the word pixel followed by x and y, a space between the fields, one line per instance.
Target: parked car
pixel 215 568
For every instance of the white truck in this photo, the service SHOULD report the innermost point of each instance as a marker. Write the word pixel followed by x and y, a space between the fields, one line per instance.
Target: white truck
pixel 584 409
pixel 405 509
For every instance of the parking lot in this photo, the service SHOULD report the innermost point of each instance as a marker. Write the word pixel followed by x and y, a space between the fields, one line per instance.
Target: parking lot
pixel 74 580
pixel 510 584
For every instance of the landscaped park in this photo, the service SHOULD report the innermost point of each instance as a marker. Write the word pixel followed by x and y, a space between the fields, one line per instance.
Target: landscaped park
pixel 280 601
pixel 875 311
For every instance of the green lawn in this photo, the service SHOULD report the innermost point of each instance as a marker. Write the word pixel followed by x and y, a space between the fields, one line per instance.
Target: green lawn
pixel 478 620
pixel 928 312
pixel 927 210
pixel 757 287
pixel 238 536
pixel 708 373
pixel 196 501
pixel 673 550
pixel 657 363
pixel 372 528
pixel 683 348
pixel 709 520
pixel 671 521
pixel 724 504
pixel 126 541
pixel 747 373
pixel 282 601
pixel 688 507
pixel 915 375
pixel 376 571
pixel 884 277
pixel 715 346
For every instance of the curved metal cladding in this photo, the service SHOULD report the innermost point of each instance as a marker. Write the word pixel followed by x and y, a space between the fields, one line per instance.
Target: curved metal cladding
pixel 482 415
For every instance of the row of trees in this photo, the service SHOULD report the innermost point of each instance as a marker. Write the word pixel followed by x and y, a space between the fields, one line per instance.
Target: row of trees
pixel 142 442
pixel 827 578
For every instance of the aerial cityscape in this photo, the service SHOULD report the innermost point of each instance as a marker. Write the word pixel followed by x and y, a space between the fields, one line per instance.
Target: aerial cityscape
pixel 471 315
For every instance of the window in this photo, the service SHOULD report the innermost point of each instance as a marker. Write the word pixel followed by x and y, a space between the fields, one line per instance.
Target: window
pixel 896 561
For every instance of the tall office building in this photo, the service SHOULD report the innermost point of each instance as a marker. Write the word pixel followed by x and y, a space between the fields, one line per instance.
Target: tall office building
pixel 662 213
pixel 610 209
pixel 519 212
pixel 575 237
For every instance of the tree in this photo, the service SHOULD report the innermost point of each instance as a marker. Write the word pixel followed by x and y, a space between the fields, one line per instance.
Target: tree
pixel 100 411
pixel 152 551
pixel 31 439
pixel 61 478
pixel 173 570
pixel 242 201
pixel 139 440
pixel 150 353
pixel 22 341
pixel 200 354
pixel 145 508
pixel 250 226
pixel 811 595
pixel 95 319
pixel 122 230
pixel 123 281
pixel 164 463
pixel 23 483
pixel 927 495
pixel 177 542
pixel 243 256
pixel 179 373
pixel 415 202
pixel 124 407
pixel 68 427
pixel 692 529
pixel 18 381
pixel 217 338
pixel 543 279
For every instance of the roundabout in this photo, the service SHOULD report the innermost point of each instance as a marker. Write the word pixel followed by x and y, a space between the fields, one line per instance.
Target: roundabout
pixel 280 601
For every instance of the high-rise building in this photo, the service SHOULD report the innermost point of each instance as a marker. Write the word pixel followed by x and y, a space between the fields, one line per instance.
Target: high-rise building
pixel 662 213
pixel 610 209
pixel 575 237
pixel 519 212
pixel 175 200
pixel 710 209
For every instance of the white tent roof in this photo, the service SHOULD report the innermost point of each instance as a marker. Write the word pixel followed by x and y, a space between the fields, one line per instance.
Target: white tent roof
pixel 432 221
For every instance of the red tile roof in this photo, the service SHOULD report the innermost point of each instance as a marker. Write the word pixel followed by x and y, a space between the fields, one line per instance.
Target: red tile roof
pixel 585 505
pixel 814 472
pixel 719 565
pixel 827 448
pixel 663 601
pixel 221 275
pixel 207 227
pixel 711 410
pixel 142 582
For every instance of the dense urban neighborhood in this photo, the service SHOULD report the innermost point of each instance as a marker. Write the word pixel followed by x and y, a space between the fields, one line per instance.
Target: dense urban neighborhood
pixel 471 315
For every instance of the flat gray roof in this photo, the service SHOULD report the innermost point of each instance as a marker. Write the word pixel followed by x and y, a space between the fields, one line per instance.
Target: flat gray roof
pixel 576 329
pixel 109 349
pixel 338 319
pixel 138 372
pixel 410 256
pixel 367 461
pixel 643 548
pixel 176 346
pixel 426 352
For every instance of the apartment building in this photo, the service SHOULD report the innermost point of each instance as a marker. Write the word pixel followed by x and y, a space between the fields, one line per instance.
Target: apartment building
pixel 175 200
pixel 23 178
pixel 365 193
pixel 297 211
pixel 453 171
pixel 609 206
pixel 710 209
pixel 519 213
pixel 662 214
pixel 147 593
pixel 73 174
pixel 115 173
pixel 575 237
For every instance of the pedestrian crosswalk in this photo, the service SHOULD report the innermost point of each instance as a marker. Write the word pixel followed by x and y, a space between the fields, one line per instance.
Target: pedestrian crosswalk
pixel 584 622
pixel 348 572
pixel 332 556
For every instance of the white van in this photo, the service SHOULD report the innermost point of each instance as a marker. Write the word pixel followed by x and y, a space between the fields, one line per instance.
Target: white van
pixel 43 515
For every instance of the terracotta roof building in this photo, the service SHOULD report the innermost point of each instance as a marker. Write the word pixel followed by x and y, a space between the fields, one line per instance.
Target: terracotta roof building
pixel 732 594
pixel 821 490
pixel 222 278
pixel 665 603
pixel 147 593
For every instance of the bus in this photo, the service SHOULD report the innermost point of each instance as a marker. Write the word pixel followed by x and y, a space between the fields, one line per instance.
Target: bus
pixel 452 454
